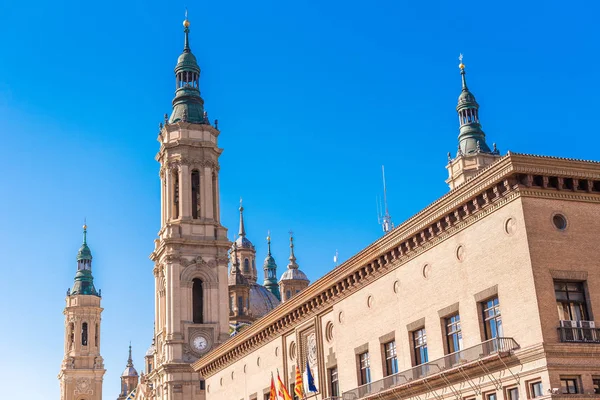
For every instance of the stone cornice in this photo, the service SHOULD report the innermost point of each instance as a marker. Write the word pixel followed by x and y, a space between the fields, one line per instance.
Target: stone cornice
pixel 499 184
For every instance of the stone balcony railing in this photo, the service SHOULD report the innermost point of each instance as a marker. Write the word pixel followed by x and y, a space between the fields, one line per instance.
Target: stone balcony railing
pixel 489 348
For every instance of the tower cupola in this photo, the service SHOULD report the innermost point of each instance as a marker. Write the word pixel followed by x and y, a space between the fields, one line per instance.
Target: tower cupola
pixel 471 138
pixel 188 106
pixel 270 269
pixel 84 281
pixel 292 280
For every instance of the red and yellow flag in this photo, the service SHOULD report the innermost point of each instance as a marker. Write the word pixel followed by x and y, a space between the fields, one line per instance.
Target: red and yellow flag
pixel 298 385
pixel 273 393
pixel 283 393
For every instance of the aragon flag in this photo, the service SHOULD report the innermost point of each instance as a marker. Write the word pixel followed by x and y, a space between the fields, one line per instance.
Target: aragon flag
pixel 273 392
pixel 298 385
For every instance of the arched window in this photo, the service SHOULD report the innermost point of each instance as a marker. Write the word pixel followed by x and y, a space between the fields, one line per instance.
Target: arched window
pixel 240 305
pixel 84 334
pixel 71 335
pixel 246 265
pixel 96 336
pixel 197 301
pixel 175 195
pixel 195 194
pixel 214 197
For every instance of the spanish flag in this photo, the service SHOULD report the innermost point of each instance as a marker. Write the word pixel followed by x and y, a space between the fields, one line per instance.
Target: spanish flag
pixel 273 393
pixel 283 393
pixel 298 387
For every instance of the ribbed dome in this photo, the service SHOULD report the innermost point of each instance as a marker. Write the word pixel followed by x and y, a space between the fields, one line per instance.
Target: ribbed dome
pixel 151 350
pixel 243 242
pixel 188 61
pixel 129 371
pixel 261 300
pixel 466 97
pixel 293 273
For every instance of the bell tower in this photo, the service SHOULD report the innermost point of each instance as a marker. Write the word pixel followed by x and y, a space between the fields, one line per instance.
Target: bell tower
pixel 191 253
pixel 82 369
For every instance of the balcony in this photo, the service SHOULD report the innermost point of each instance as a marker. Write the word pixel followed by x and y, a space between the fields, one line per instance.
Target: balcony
pixel 496 346
pixel 578 332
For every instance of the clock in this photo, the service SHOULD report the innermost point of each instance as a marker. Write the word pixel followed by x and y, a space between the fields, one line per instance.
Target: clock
pixel 200 343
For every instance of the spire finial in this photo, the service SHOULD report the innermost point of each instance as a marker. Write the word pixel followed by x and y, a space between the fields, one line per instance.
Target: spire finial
pixel 130 360
pixel 462 72
pixel 186 29
pixel 292 256
pixel 84 231
pixel 269 242
pixel 242 231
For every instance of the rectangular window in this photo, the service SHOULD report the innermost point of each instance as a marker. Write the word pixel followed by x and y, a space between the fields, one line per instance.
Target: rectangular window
pixel 596 382
pixel 334 386
pixel 492 321
pixel 453 333
pixel 569 386
pixel 267 396
pixel 570 301
pixel 420 346
pixel 512 393
pixel 491 396
pixel 391 359
pixel 365 368
pixel 535 390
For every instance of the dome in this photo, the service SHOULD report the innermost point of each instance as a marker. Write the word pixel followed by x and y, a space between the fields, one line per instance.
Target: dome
pixel 188 61
pixel 243 242
pixel 466 97
pixel 129 371
pixel 84 253
pixel 261 300
pixel 293 273
pixel 151 350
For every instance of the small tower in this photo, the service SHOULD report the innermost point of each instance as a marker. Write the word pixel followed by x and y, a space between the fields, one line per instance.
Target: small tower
pixel 473 152
pixel 293 280
pixel 246 251
pixel 82 369
pixel 129 378
pixel 239 292
pixel 270 269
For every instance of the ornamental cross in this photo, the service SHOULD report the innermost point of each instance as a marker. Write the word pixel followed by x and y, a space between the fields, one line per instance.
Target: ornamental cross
pixel 460 57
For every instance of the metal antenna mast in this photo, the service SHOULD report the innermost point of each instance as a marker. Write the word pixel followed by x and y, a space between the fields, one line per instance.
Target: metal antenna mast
pixel 384 218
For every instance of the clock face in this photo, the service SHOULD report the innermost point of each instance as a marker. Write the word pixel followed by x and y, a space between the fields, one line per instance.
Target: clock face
pixel 200 343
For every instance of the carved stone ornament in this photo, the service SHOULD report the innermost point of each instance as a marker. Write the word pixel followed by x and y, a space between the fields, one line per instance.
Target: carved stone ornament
pixel 83 386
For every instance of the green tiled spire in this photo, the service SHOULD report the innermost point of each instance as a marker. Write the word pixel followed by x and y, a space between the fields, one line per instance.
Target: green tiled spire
pixel 270 268
pixel 471 139
pixel 188 106
pixel 84 281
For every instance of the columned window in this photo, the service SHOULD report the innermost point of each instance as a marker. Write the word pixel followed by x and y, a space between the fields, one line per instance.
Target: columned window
pixel 84 334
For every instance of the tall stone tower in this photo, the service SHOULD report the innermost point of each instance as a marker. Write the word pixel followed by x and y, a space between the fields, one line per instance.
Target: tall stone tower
pixel 129 378
pixel 82 368
pixel 190 256
pixel 473 152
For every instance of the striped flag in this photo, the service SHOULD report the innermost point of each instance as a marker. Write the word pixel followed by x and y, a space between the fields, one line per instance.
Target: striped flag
pixel 298 386
pixel 273 393
pixel 283 393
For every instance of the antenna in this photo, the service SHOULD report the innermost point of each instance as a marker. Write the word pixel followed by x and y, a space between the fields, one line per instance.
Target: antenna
pixel 383 215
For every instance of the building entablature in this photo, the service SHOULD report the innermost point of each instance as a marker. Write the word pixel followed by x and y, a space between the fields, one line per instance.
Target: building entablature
pixel 502 182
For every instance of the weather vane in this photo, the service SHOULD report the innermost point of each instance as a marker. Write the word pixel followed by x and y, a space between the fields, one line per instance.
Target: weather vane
pixel 460 58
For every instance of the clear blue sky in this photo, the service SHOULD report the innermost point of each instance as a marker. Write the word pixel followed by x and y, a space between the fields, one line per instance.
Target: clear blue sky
pixel 312 97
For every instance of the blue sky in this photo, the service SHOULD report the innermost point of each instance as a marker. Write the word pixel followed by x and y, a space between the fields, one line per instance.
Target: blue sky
pixel 312 98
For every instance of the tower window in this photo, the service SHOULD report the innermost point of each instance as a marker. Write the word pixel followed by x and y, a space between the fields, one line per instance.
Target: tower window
pixel 96 336
pixel 246 266
pixel 175 195
pixel 240 305
pixel 84 334
pixel 195 194
pixel 214 197
pixel 71 335
pixel 197 301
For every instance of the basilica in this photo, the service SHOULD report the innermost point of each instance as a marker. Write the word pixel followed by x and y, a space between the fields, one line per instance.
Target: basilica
pixel 486 293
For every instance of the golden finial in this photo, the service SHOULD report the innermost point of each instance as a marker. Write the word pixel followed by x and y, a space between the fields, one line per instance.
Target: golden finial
pixel 461 65
pixel 186 23
pixel 84 224
pixel 268 235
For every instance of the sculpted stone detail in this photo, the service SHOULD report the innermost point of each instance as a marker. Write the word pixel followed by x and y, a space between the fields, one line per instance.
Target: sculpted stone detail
pixel 83 386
